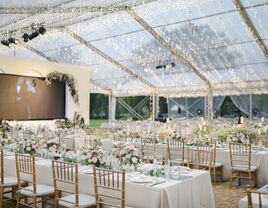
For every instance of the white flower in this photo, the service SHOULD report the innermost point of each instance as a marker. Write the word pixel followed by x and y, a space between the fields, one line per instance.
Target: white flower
pixel 134 160
pixel 28 149
pixel 128 156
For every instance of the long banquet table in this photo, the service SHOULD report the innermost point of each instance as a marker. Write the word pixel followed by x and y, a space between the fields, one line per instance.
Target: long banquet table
pixel 195 192
pixel 259 159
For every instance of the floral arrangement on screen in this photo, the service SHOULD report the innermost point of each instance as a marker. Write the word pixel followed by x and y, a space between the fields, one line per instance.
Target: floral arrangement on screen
pixel 128 154
pixel 52 145
pixel 94 156
pixel 68 79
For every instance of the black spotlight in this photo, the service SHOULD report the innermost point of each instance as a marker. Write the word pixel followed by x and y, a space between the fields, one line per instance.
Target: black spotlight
pixel 255 111
pixel 179 110
pixel 199 112
pixel 33 35
pixel 5 42
pixel 42 30
pixel 12 40
pixel 25 37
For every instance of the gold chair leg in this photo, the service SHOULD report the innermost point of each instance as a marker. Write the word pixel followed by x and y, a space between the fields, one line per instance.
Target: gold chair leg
pixel 238 177
pixel 256 179
pixel 214 175
pixel 250 180
pixel 1 196
pixel 18 200
pixel 222 174
pixel 34 202
pixel 231 179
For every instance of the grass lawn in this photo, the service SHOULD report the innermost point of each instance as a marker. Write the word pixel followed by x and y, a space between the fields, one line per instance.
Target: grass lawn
pixel 95 123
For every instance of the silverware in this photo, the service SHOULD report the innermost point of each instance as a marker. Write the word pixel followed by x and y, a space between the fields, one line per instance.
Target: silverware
pixel 158 182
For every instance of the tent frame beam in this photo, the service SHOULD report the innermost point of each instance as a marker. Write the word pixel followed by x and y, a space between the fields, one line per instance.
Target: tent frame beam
pixel 78 10
pixel 163 42
pixel 105 56
pixel 251 27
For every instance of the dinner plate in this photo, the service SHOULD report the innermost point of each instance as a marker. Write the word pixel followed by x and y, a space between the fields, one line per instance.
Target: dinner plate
pixel 141 179
pixel 88 171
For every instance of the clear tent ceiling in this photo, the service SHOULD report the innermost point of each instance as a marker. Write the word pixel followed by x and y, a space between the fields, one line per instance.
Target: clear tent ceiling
pixel 211 35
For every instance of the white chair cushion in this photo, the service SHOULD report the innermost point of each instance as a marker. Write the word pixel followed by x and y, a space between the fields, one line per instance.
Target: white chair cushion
pixel 41 190
pixel 217 165
pixel 244 168
pixel 85 200
pixel 10 181
pixel 243 203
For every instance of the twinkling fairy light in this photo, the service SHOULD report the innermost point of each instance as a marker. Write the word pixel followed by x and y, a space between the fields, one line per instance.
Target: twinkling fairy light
pixel 212 48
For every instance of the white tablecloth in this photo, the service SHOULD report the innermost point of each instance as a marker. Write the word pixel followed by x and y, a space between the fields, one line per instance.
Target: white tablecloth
pixel 195 192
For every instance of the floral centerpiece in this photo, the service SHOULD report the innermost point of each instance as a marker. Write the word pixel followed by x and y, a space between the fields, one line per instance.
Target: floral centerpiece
pixel 239 138
pixel 30 147
pixel 199 140
pixel 202 128
pixel 128 154
pixel 4 129
pixel 94 156
pixel 242 134
pixel 70 157
pixel 176 135
pixel 4 141
pixel 52 145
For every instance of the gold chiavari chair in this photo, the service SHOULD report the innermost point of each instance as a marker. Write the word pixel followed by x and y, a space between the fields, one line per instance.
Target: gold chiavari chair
pixel 207 160
pixel 66 175
pixel 92 141
pixel 216 167
pixel 151 150
pixel 69 143
pixel 120 138
pixel 26 173
pixel 109 188
pixel 10 183
pixel 204 157
pixel 148 149
pixel 256 198
pixel 241 168
pixel 176 150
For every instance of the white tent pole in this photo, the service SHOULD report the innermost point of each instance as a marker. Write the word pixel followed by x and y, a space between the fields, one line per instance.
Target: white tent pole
pixel 112 107
pixel 154 107
pixel 250 106
pixel 210 103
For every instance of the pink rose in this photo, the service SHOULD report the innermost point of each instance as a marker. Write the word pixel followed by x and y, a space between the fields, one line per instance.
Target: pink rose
pixel 136 153
pixel 94 159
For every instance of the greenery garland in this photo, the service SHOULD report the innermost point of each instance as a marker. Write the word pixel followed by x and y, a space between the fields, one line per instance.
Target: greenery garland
pixel 68 79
